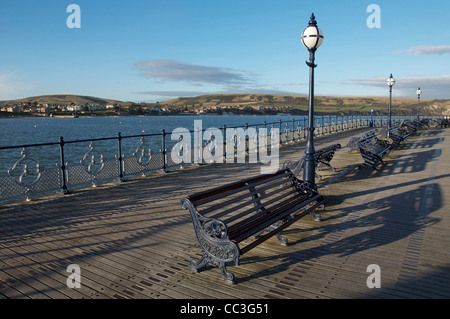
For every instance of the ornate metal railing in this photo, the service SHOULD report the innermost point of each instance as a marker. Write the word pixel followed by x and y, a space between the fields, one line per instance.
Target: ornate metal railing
pixel 97 160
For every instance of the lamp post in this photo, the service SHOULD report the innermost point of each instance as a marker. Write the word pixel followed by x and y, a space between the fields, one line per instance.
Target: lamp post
pixel 419 91
pixel 371 118
pixel 312 38
pixel 390 83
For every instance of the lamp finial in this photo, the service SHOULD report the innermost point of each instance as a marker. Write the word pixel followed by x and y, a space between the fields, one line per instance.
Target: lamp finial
pixel 312 21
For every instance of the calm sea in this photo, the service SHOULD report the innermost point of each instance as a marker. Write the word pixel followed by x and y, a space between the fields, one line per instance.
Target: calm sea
pixel 21 131
pixel 18 131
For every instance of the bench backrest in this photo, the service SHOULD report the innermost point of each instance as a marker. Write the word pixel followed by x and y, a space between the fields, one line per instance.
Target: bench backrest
pixel 235 202
pixel 327 153
pixel 373 143
pixel 370 134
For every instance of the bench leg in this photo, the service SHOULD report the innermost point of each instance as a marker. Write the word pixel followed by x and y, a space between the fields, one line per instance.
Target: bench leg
pixel 228 276
pixel 283 240
pixel 316 216
pixel 197 264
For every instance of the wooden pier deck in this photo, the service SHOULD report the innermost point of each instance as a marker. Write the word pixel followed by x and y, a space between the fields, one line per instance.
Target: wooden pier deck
pixel 133 240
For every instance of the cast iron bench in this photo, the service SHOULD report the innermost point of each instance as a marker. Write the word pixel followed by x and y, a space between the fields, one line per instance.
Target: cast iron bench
pixel 443 123
pixel 353 142
pixel 398 134
pixel 410 126
pixel 322 157
pixel 373 150
pixel 232 219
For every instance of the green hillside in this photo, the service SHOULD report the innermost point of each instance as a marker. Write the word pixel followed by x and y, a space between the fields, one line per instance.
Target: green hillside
pixel 323 104
pixel 65 99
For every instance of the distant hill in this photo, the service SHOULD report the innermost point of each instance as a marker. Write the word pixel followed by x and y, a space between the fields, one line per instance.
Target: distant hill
pixel 298 103
pixel 322 104
pixel 65 99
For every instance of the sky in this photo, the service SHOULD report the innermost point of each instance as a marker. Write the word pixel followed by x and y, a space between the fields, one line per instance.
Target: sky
pixel 155 50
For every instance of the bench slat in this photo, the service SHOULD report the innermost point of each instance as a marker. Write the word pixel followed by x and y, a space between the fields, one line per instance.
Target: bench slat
pixel 245 194
pixel 255 209
pixel 263 238
pixel 292 194
pixel 226 190
pixel 373 149
pixel 266 220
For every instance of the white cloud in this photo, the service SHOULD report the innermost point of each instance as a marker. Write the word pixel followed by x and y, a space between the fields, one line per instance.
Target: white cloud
pixel 229 81
pixel 174 93
pixel 174 71
pixel 427 50
pixel 230 90
pixel 433 87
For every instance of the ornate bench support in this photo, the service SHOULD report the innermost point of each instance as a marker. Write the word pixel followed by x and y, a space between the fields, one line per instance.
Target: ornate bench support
pixel 211 233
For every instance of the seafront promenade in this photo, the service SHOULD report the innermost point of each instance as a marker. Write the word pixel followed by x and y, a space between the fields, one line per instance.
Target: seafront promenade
pixel 133 240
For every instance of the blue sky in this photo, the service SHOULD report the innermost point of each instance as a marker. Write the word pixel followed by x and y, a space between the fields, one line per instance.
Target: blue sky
pixel 154 50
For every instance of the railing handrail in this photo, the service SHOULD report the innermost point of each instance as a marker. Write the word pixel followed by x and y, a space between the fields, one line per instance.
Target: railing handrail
pixel 142 161
pixel 190 131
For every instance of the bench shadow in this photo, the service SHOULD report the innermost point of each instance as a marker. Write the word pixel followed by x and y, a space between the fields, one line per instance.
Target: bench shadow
pixel 394 164
pixel 389 220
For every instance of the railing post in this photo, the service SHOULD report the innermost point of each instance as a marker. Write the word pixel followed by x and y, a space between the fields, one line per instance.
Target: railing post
pixel 265 136
pixel 64 189
pixel 304 128
pixel 119 157
pixel 322 126
pixel 332 123
pixel 163 152
pixel 224 142
pixel 293 130
pixel 281 130
pixel 247 151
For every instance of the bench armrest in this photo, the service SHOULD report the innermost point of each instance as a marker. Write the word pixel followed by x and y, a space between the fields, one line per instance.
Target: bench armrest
pixel 212 234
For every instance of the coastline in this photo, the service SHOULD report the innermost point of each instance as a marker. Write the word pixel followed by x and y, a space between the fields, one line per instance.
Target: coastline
pixel 142 115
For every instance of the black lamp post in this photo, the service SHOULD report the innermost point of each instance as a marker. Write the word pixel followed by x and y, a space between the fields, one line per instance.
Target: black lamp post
pixel 419 91
pixel 312 38
pixel 390 82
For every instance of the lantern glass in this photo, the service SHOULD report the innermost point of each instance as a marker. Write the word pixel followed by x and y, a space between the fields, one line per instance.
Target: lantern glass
pixel 312 37
pixel 390 81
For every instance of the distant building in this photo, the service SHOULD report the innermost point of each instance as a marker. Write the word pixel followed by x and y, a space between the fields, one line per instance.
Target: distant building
pixel 96 107
pixel 73 108
pixel 13 109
